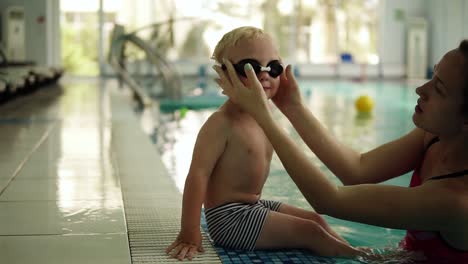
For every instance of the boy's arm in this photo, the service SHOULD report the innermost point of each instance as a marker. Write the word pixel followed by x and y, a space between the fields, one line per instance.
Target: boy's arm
pixel 209 146
pixel 351 167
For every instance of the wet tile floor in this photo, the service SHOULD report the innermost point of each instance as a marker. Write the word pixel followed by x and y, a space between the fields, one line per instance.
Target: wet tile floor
pixel 60 200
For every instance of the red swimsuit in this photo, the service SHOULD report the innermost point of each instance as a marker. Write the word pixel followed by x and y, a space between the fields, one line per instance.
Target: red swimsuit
pixel 431 243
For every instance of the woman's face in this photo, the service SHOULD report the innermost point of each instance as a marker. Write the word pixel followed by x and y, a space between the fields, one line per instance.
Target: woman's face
pixel 439 107
pixel 262 50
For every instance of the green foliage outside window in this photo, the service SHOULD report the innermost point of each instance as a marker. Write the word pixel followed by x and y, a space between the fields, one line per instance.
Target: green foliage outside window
pixel 79 49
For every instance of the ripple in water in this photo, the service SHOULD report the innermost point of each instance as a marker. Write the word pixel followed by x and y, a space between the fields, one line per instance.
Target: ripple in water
pixel 391 255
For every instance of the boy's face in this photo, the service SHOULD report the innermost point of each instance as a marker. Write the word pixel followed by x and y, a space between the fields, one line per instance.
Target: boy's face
pixel 262 50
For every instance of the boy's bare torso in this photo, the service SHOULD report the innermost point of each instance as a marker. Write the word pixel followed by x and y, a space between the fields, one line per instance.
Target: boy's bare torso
pixel 242 169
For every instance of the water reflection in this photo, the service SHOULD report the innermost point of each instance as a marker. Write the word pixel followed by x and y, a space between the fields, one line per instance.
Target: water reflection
pixel 87 187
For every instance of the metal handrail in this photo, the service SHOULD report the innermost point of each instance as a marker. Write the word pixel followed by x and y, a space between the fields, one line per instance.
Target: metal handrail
pixel 172 84
pixel 171 81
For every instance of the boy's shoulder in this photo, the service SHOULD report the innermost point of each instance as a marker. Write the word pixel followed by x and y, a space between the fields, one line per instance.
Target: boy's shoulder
pixel 219 118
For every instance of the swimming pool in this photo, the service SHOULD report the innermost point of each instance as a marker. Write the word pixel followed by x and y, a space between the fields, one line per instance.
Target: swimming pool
pixel 332 102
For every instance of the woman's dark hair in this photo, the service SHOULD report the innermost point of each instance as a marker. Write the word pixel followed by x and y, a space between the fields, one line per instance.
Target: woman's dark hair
pixel 463 48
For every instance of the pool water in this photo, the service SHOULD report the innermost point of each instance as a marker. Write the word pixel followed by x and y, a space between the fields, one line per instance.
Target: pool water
pixel 332 102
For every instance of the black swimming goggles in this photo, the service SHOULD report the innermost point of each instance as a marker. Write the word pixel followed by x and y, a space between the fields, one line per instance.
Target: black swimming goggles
pixel 274 67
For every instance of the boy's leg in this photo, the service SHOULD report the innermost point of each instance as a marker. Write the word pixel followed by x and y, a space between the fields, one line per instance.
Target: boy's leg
pixel 286 231
pixel 310 215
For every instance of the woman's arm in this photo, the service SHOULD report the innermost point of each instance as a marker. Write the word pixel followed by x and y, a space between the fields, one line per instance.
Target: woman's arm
pixel 388 206
pixel 382 205
pixel 351 167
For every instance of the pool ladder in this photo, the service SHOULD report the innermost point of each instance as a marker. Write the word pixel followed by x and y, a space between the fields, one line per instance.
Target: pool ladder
pixel 171 82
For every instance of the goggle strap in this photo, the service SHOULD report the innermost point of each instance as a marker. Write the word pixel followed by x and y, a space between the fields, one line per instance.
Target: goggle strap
pixel 262 68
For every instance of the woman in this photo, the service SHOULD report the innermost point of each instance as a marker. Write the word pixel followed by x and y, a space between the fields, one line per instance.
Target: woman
pixel 434 210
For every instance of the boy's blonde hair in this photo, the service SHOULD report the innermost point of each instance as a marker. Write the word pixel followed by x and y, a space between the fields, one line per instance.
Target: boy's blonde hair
pixel 233 37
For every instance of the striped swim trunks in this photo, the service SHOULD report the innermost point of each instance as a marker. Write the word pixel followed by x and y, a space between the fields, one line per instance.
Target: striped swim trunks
pixel 238 225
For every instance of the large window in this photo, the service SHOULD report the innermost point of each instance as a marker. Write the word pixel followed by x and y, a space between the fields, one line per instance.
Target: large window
pixel 357 29
pixel 79 27
pixel 307 31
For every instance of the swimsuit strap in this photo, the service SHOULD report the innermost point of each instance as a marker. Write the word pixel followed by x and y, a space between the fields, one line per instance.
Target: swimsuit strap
pixel 451 175
pixel 433 140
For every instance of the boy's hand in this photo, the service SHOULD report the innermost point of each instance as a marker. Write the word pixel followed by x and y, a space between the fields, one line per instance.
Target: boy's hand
pixel 288 93
pixel 187 245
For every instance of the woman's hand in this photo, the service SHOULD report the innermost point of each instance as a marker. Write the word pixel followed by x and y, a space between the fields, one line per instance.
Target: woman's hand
pixel 251 97
pixel 288 94
pixel 186 245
